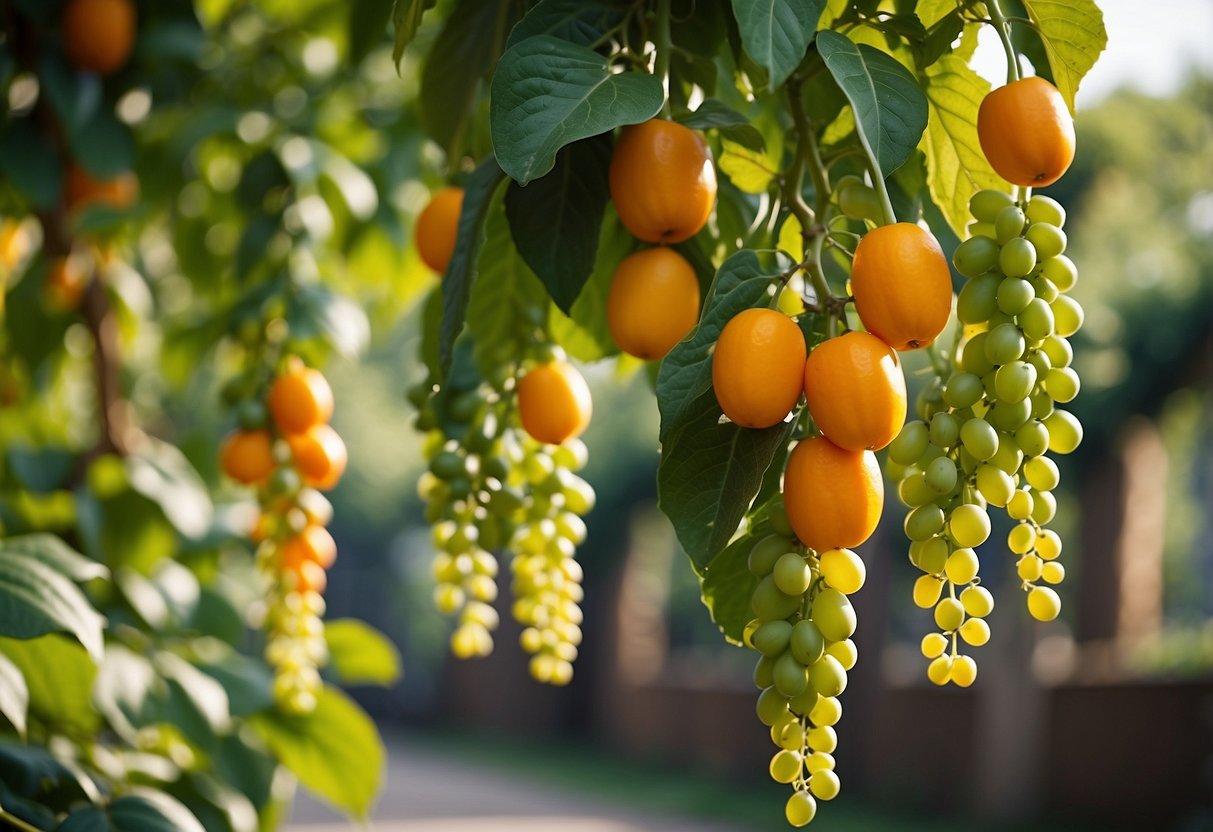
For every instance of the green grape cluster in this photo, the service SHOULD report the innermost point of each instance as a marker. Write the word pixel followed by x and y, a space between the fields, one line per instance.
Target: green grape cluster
pixel 490 486
pixel 802 629
pixel 546 576
pixel 983 432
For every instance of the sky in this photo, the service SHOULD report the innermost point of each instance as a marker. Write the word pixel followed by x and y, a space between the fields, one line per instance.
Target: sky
pixel 1151 47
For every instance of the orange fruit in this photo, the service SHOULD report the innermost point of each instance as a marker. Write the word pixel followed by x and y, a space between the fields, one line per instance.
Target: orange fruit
pixel 320 456
pixel 99 34
pixel 662 180
pixel 81 190
pixel 856 391
pixel 14 244
pixel 554 402
pixel 247 456
pixel 313 545
pixel 437 227
pixel 902 286
pixel 758 367
pixel 653 302
pixel 307 577
pixel 66 281
pixel 1026 132
pixel 833 496
pixel 300 398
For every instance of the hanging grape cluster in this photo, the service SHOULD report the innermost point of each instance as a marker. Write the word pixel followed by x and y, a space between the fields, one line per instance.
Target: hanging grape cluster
pixel 985 428
pixel 286 448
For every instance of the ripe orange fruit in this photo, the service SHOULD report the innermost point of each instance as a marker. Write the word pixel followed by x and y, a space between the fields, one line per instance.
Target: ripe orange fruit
pixel 437 227
pixel 99 34
pixel 653 302
pixel 247 456
pixel 902 286
pixel 758 367
pixel 66 281
pixel 308 577
pixel 320 456
pixel 313 545
pixel 662 180
pixel 300 398
pixel 554 402
pixel 833 496
pixel 81 190
pixel 1026 132
pixel 856 391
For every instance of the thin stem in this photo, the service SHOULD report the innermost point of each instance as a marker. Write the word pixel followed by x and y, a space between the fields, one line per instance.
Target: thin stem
pixel 13 820
pixel 1004 34
pixel 886 204
pixel 661 65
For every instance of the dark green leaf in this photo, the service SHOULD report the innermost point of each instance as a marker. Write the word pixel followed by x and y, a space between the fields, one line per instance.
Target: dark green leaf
pixel 406 17
pixel 36 599
pixel 75 96
pixel 584 333
pixel 335 751
pixel 142 810
pixel 709 473
pixel 578 21
pixel 29 163
pixel 368 20
pixel 103 145
pixel 457 283
pixel 728 585
pixel 361 655
pixel 14 694
pixel 431 325
pixel 59 675
pixel 890 108
pixel 195 698
pixel 744 281
pixel 461 58
pixel 556 219
pixel 732 125
pixel 776 33
pixel 247 682
pixel 548 93
pixel 160 472
pixel 40 469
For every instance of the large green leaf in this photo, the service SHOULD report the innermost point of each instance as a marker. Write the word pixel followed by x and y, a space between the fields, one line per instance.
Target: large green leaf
pixel 556 219
pixel 335 751
pixel 584 332
pixel 504 290
pixel 103 146
pixel 142 810
pixel 14 694
pixel 743 281
pixel 461 58
pixel 59 675
pixel 715 114
pixel 890 108
pixel 359 654
pixel 406 18
pixel 457 283
pixel 36 599
pixel 1073 34
pixel 160 472
pixel 956 166
pixel 727 584
pixel 29 163
pixel 548 93
pixel 776 33
pixel 55 553
pixel 709 474
pixel 578 21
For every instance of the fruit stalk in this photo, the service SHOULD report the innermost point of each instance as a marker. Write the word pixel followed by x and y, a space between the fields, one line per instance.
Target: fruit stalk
pixel 661 62
pixel 1004 34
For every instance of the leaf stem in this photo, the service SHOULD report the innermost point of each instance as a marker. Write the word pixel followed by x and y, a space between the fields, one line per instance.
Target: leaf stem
pixel 1004 34
pixel 661 64
pixel 13 820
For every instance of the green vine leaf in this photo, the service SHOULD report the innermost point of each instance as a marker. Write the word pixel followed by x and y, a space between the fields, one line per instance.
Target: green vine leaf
pixel 37 598
pixel 360 654
pixel 1073 34
pixel 584 332
pixel 890 108
pixel 956 166
pixel 548 93
pixel 406 18
pixel 143 810
pixel 577 21
pixel 776 33
pixel 727 586
pixel 743 282
pixel 556 219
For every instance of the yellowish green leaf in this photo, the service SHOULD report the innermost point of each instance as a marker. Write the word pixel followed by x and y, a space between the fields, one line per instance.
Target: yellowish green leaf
pixel 1073 34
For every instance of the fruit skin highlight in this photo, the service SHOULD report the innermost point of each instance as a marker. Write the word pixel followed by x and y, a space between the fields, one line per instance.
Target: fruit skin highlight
pixel 1026 132
pixel 856 391
pixel 438 226
pixel 653 302
pixel 758 367
pixel 902 285
pixel 662 181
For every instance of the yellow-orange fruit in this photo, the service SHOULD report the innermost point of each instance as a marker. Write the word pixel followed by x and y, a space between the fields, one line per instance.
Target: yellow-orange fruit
pixel 1026 132
pixel 320 456
pixel 438 226
pixel 758 367
pixel 82 190
pixel 833 497
pixel 902 286
pixel 300 398
pixel 856 391
pixel 662 181
pixel 247 456
pixel 314 544
pixel 99 34
pixel 554 402
pixel 653 302
pixel 66 280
